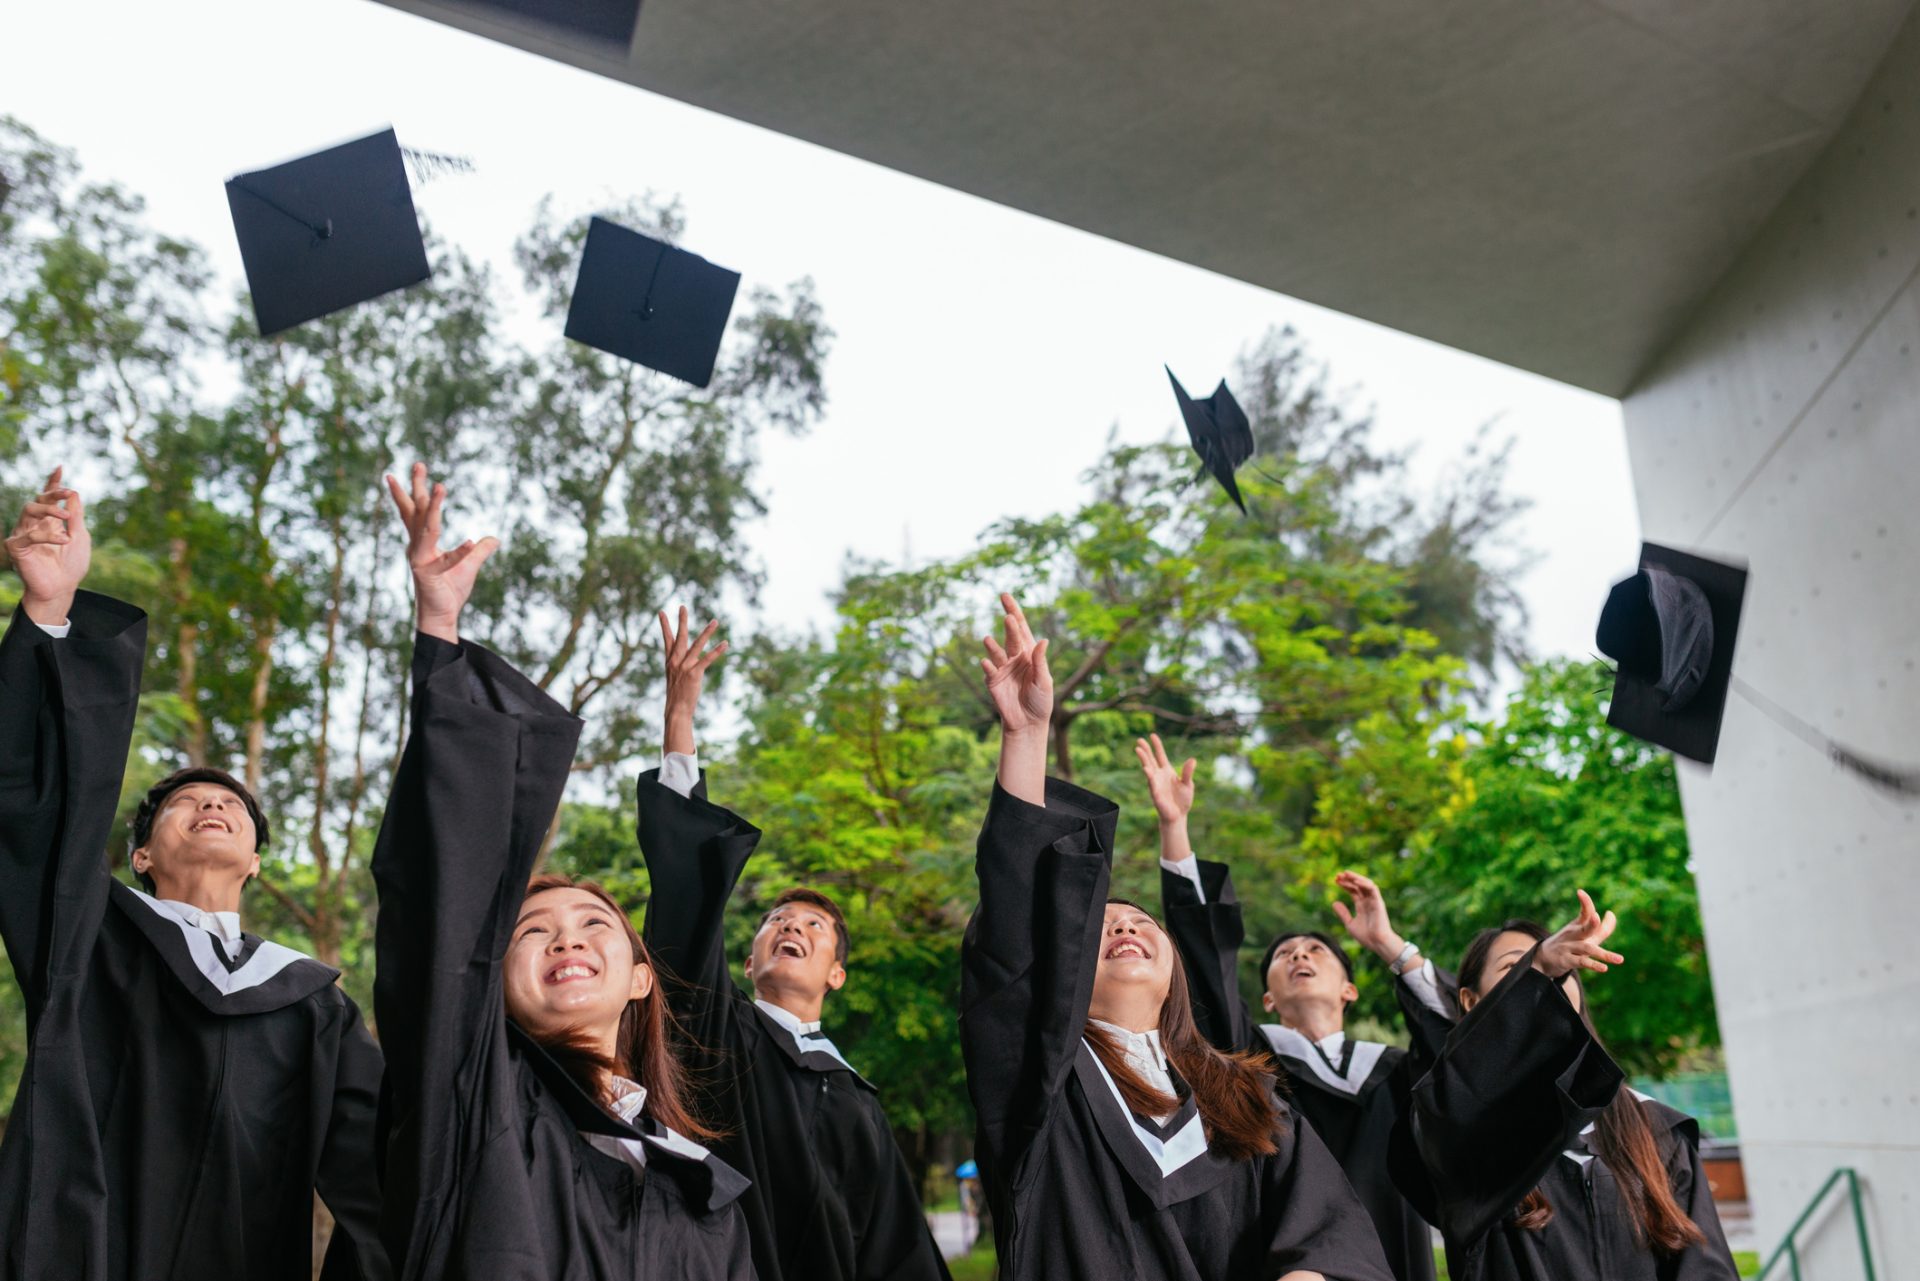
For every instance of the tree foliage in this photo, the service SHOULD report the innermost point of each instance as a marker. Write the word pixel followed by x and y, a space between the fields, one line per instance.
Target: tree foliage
pixel 1322 656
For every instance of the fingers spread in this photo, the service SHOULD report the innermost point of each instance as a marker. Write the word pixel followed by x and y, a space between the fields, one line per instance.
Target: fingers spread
pixel 401 502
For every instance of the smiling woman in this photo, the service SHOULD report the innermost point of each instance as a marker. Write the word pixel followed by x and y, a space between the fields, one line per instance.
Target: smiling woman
pixel 579 981
pixel 516 1007
pixel 1113 1139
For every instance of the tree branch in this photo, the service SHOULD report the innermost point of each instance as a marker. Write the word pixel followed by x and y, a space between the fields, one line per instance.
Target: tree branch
pixel 280 896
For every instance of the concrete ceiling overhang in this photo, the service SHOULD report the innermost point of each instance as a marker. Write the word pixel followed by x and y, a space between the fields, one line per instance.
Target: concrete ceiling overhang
pixel 1550 183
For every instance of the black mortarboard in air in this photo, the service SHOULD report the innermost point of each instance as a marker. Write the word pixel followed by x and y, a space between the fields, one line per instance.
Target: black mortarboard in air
pixel 1220 433
pixel 646 301
pixel 327 231
pixel 1671 630
pixel 602 22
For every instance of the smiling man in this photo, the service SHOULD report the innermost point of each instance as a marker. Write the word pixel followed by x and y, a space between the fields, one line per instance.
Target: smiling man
pixel 189 1087
pixel 832 1199
pixel 1352 1091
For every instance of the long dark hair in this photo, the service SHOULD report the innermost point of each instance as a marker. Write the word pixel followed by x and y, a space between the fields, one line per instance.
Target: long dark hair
pixel 1621 1137
pixel 1233 1092
pixel 644 1047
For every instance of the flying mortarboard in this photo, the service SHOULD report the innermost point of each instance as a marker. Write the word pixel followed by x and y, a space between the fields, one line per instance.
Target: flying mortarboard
pixel 646 301
pixel 602 22
pixel 1671 629
pixel 1220 433
pixel 327 231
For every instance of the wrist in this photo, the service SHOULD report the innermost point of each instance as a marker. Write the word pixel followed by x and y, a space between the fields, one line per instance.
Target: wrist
pixel 1388 947
pixel 440 626
pixel 48 611
pixel 679 736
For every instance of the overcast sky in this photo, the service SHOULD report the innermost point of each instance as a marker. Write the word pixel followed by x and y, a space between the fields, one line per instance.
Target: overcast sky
pixel 982 356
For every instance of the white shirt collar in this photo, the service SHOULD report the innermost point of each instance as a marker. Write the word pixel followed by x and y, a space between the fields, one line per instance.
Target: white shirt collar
pixel 788 1019
pixel 1143 1046
pixel 224 925
pixel 628 1098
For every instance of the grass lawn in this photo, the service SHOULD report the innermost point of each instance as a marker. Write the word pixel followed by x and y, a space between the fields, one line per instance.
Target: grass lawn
pixel 976 1266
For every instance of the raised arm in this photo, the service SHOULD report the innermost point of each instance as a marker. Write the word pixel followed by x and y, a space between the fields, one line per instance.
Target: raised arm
pixel 1028 957
pixel 69 687
pixel 1197 898
pixel 1426 997
pixel 695 851
pixel 1517 1080
pixel 478 783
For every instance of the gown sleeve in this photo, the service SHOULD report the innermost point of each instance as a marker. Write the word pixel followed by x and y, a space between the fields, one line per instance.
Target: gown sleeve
pixel 66 719
pixel 478 783
pixel 1514 1084
pixel 1208 935
pixel 1427 1028
pixel 695 852
pixel 1027 959
pixel 1320 1225
pixel 349 1177
pixel 1712 1259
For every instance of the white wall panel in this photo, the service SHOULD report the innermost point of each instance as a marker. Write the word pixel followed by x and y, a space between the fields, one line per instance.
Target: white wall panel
pixel 1783 427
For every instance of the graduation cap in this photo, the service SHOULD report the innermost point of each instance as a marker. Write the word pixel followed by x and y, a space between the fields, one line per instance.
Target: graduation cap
pixel 327 231
pixel 1220 433
pixel 604 22
pixel 643 300
pixel 1671 630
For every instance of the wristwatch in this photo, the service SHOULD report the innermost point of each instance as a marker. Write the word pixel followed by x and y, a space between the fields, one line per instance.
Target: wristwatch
pixel 1399 963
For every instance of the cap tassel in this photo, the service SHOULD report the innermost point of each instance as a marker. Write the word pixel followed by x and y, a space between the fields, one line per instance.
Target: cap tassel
pixel 1902 781
pixel 645 309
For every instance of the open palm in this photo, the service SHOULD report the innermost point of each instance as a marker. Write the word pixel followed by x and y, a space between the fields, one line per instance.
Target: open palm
pixel 1171 788
pixel 1018 681
pixel 51 548
pixel 1579 944
pixel 442 580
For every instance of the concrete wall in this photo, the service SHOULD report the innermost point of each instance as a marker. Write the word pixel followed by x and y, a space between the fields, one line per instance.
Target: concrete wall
pixel 1783 426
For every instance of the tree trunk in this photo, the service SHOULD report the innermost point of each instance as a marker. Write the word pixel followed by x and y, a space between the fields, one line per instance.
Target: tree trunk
pixel 1062 753
pixel 257 701
pixel 326 926
pixel 187 648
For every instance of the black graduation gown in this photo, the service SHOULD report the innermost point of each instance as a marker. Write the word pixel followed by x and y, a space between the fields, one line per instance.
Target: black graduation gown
pixel 832 1197
pixel 1074 1192
pixel 178 1109
pixel 488 1176
pixel 1355 1127
pixel 1511 1089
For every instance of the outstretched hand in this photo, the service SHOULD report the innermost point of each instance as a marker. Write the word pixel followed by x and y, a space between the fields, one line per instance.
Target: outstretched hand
pixel 1577 945
pixel 442 581
pixel 51 550
pixel 1021 688
pixel 1171 789
pixel 1367 919
pixel 1018 681
pixel 687 663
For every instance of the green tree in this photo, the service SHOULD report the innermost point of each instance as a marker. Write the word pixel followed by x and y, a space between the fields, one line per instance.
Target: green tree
pixel 1510 821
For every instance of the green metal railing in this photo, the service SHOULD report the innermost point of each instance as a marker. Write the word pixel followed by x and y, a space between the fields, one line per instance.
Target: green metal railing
pixel 1790 1251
